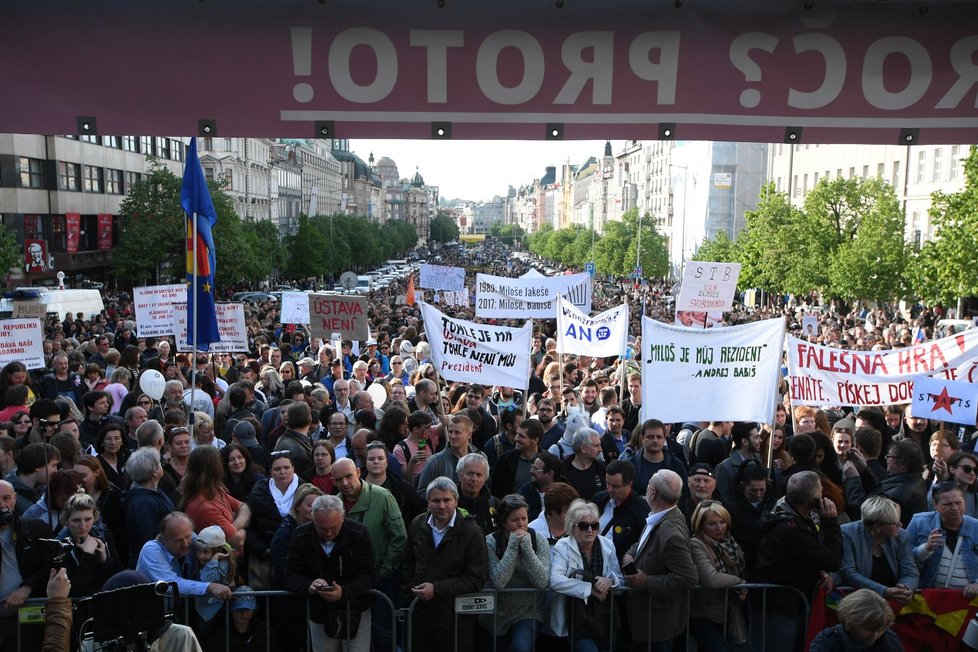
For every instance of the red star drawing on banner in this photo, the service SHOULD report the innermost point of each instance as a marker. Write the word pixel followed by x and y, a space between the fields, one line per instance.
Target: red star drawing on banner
pixel 943 401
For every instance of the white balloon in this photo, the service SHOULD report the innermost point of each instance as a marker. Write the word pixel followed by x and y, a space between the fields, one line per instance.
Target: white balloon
pixel 378 394
pixel 152 383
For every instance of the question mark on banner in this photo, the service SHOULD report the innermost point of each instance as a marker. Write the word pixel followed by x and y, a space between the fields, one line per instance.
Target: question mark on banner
pixel 740 57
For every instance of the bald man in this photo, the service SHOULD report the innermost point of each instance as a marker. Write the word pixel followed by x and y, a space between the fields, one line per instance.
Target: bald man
pixel 172 549
pixel 665 570
pixel 377 509
pixel 28 576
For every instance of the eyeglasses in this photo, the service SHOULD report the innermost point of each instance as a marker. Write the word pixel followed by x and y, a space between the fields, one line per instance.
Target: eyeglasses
pixel 967 468
pixel 144 402
pixel 374 445
pixel 23 422
pixel 584 525
pixel 280 454
pixel 44 423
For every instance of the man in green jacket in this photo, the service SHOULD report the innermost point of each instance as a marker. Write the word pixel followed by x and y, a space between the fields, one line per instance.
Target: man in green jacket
pixel 377 509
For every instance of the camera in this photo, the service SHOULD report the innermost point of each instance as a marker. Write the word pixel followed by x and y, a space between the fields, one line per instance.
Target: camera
pixel 56 550
pixel 128 618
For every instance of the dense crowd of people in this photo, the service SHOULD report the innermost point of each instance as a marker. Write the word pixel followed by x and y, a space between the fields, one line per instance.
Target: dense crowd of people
pixel 280 468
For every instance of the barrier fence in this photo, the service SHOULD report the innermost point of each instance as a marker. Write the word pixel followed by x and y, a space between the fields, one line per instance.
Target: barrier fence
pixel 484 604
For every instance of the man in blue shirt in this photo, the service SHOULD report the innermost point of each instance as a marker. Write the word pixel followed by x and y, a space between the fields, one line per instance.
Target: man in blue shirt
pixel 168 558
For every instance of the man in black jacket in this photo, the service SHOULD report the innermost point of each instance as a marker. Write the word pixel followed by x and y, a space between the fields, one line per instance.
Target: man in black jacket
pixel 332 560
pixel 27 577
pixel 623 512
pixel 446 557
pixel 797 553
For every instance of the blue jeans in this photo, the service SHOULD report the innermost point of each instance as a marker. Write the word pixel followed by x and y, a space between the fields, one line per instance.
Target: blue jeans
pixel 707 634
pixel 522 634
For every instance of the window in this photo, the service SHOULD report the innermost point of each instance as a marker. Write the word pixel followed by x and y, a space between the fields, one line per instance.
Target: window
pixel 938 170
pixel 69 176
pixel 146 145
pixel 88 138
pixel 921 166
pixel 814 179
pixel 879 170
pixel 130 144
pixel 132 178
pixel 163 147
pixel 955 163
pixel 852 173
pixel 31 172
pixel 838 173
pixel 176 149
pixel 208 172
pixel 93 178
pixel 896 174
pixel 865 172
pixel 113 182
pixel 112 141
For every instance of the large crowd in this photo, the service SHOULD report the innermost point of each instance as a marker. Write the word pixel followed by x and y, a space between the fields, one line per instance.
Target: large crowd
pixel 341 475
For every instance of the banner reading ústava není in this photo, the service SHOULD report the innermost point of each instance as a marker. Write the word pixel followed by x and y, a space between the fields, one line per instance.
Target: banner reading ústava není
pixel 470 352
pixel 821 375
pixel 719 374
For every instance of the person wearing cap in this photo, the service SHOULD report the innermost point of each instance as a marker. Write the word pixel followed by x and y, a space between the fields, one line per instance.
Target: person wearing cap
pixel 307 367
pixel 216 565
pixel 622 511
pixel 747 446
pixel 332 561
pixel 842 438
pixel 385 365
pixel 700 485
pixel 246 632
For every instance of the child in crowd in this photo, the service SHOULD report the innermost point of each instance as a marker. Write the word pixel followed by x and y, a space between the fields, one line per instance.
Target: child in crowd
pixel 217 564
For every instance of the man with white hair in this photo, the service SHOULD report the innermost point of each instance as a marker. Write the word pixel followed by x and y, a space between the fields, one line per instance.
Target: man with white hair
pixel 664 567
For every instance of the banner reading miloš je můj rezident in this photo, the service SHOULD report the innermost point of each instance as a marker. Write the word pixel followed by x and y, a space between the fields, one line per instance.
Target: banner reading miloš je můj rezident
pixel 821 375
pixel 470 352
pixel 719 374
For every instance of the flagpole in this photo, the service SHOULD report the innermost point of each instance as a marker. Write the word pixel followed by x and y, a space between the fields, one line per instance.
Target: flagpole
pixel 526 390
pixel 193 373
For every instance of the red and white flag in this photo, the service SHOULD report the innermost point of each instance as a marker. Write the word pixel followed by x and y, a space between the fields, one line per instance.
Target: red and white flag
pixel 944 400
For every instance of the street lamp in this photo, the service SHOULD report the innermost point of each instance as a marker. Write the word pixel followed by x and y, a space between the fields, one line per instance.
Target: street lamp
pixel 682 251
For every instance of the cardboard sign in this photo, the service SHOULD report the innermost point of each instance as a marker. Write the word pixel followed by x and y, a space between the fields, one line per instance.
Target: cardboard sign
pixel 338 313
pixel 440 277
pixel 154 308
pixel 230 323
pixel 708 287
pixel 29 309
pixel 21 340
pixel 945 400
pixel 295 308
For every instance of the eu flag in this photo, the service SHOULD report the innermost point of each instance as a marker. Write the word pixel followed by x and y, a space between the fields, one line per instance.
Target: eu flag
pixel 195 199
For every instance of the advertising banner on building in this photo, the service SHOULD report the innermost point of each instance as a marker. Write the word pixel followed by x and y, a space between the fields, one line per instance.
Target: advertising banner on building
pixel 338 313
pixel 72 232
pixel 470 352
pixel 821 375
pixel 719 374
pixel 154 308
pixel 21 340
pixel 529 298
pixel 36 256
pixel 104 231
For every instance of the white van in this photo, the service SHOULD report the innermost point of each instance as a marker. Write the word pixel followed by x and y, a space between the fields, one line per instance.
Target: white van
pixel 39 301
pixel 364 284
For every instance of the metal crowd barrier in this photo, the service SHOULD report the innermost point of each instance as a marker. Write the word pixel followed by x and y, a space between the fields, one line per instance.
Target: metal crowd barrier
pixel 262 598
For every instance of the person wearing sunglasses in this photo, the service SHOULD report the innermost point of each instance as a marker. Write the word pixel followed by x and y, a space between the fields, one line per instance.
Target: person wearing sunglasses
pixel 583 573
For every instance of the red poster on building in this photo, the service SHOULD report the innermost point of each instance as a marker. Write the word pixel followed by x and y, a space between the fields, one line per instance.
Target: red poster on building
pixel 72 232
pixel 35 256
pixel 104 231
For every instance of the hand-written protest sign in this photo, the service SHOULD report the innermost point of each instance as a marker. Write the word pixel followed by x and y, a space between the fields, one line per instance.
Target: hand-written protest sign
pixel 809 325
pixel 440 277
pixel 29 309
pixel 230 324
pixel 944 400
pixel 708 286
pixel 730 373
pixel 154 308
pixel 21 340
pixel 470 352
pixel 529 298
pixel 338 313
pixel 603 335
pixel 295 308
pixel 820 375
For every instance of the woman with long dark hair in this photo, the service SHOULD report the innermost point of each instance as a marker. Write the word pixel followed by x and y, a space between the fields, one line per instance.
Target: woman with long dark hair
pixel 207 502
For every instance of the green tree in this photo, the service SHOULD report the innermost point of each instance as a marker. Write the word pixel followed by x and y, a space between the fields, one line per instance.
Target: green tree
pixel 721 249
pixel 306 249
pixel 616 252
pixel 507 233
pixel 11 253
pixel 945 267
pixel 538 241
pixel 152 231
pixel 443 229
pixel 768 243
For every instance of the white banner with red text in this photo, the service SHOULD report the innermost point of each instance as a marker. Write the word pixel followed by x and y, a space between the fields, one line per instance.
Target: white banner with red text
pixel 718 374
pixel 821 375
pixel 21 340
pixel 470 352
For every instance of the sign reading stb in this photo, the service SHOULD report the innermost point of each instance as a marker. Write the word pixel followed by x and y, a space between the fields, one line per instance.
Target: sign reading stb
pixel 708 287
pixel 475 604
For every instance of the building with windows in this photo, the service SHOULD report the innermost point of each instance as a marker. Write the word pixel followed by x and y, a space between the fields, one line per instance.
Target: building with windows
pixel 63 194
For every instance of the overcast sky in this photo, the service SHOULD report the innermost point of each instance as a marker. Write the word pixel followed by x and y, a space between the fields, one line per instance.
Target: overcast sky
pixel 479 169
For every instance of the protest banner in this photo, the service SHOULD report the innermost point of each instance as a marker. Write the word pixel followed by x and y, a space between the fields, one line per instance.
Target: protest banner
pixel 708 287
pixel 295 308
pixel 470 352
pixel 345 314
pixel 441 277
pixel 21 340
pixel 945 400
pixel 230 324
pixel 809 325
pixel 820 375
pixel 603 335
pixel 529 298
pixel 154 308
pixel 29 309
pixel 720 374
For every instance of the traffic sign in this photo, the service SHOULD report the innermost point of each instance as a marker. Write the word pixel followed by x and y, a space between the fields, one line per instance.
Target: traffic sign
pixel 589 268
pixel 637 272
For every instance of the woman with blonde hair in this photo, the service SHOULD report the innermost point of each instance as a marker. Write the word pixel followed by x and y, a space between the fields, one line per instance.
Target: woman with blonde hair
pixel 864 624
pixel 720 563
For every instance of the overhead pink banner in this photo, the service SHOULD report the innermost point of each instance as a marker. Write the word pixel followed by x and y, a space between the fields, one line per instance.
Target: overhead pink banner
pixel 708 69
